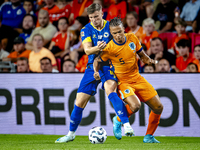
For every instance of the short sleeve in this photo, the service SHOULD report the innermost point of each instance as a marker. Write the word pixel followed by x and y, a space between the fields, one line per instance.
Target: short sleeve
pixel 137 43
pixel 85 35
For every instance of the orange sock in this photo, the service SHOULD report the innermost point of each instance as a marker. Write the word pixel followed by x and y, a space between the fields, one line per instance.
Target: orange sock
pixel 129 111
pixel 153 123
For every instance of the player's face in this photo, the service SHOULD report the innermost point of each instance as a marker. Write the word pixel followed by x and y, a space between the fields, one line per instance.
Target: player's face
pixel 163 66
pixel 46 65
pixel 28 23
pixel 68 66
pixel 43 20
pixel 156 46
pixel 37 42
pixel 118 33
pixel 22 66
pixel 62 25
pixel 148 69
pixel 197 52
pixel 131 21
pixel 18 47
pixel 96 18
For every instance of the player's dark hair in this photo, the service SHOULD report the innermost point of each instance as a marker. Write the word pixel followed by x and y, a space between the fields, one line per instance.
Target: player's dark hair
pixel 22 58
pixel 115 22
pixel 66 19
pixel 133 13
pixel 184 43
pixel 45 58
pixel 93 7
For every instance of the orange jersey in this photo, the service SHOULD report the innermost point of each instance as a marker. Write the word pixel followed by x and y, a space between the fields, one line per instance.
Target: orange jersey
pixel 23 54
pixel 123 57
pixel 138 32
pixel 147 39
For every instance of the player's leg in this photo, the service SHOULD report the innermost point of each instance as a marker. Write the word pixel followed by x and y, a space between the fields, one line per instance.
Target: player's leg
pixel 148 94
pixel 76 117
pixel 120 109
pixel 154 118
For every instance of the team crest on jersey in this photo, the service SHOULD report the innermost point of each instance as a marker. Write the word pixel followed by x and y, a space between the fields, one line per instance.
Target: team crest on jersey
pixel 82 33
pixel 127 91
pixel 94 36
pixel 106 34
pixel 132 46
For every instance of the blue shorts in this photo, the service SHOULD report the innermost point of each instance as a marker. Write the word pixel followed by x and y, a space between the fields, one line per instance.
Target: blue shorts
pixel 88 83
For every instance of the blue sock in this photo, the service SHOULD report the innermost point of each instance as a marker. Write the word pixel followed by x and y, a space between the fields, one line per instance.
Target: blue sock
pixel 76 117
pixel 119 107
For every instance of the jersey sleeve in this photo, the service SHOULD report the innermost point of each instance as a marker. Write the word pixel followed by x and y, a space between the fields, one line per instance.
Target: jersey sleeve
pixel 85 35
pixel 137 43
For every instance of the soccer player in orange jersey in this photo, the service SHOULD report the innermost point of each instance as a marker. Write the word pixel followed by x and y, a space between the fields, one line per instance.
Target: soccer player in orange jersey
pixel 122 52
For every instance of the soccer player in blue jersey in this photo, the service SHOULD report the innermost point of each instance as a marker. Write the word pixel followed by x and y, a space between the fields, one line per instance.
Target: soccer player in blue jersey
pixel 95 35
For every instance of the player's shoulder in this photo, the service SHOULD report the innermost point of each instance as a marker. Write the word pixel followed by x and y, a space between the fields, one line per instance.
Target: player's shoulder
pixel 131 36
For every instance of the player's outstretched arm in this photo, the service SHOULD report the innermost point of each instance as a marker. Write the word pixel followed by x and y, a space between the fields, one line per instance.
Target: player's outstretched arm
pixel 146 59
pixel 96 66
pixel 89 49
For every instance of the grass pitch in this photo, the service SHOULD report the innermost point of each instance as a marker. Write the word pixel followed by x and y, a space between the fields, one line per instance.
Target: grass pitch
pixel 46 142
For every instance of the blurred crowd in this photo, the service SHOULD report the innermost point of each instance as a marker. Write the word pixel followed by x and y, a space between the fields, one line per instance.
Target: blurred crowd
pixel 44 35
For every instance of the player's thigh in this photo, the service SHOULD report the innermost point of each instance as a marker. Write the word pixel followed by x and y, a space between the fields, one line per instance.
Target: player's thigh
pixel 133 102
pixel 155 104
pixel 110 86
pixel 82 99
pixel 144 90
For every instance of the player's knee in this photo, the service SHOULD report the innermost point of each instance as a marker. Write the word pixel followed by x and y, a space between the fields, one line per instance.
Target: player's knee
pixel 158 109
pixel 135 107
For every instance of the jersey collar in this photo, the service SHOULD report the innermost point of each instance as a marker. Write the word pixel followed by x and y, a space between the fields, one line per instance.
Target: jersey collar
pixel 104 24
pixel 118 43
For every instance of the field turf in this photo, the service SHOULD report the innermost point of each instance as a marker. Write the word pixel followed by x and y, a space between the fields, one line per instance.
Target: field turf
pixel 46 142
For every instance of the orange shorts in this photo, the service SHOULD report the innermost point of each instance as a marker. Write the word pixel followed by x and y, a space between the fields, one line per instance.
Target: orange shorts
pixel 142 88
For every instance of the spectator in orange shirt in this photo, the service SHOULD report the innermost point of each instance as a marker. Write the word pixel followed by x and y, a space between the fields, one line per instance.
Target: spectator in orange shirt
pixel 185 56
pixel 38 53
pixel 69 66
pixel 82 63
pixel 131 20
pixel 19 50
pixel 57 44
pixel 180 26
pixel 197 56
pixel 150 33
pixel 119 9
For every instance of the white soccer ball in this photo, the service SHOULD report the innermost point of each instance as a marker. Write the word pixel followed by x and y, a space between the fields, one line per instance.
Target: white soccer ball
pixel 97 135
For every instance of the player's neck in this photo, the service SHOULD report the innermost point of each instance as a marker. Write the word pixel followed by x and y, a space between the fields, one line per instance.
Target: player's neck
pixel 101 25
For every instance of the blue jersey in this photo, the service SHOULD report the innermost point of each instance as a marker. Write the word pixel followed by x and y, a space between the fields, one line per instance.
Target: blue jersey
pixel 90 34
pixel 25 36
pixel 10 16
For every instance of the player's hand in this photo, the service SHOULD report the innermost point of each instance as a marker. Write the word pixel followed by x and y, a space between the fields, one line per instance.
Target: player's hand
pixel 101 44
pixel 97 76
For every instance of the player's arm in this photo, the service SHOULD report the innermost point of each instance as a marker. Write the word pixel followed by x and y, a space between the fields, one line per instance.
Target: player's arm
pixel 146 59
pixel 96 66
pixel 89 49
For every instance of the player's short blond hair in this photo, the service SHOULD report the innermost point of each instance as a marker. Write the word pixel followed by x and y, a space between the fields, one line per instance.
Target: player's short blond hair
pixel 148 21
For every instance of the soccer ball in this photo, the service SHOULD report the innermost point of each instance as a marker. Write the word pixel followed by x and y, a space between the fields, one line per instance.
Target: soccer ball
pixel 97 135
